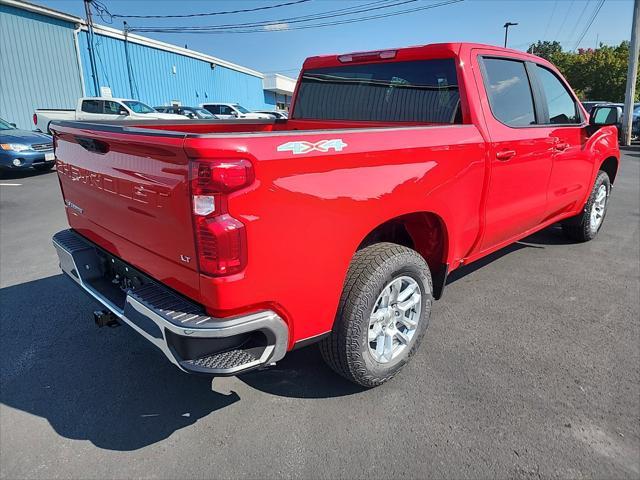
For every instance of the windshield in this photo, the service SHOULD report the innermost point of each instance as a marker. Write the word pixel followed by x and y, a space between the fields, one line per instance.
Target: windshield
pixel 204 113
pixel 636 111
pixel 139 107
pixel 6 125
pixel 240 108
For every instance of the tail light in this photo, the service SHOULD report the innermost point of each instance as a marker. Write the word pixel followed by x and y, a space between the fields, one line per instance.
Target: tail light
pixel 35 119
pixel 220 238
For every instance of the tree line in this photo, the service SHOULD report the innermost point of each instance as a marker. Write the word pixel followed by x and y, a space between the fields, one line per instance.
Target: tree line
pixel 594 74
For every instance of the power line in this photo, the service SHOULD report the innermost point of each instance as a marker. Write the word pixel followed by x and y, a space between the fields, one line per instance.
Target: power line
pixel 575 26
pixel 103 10
pixel 217 30
pixel 589 23
pixel 363 8
pixel 553 10
pixel 564 20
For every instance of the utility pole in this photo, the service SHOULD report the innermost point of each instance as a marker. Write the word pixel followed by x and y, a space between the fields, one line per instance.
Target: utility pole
pixel 90 47
pixel 506 31
pixel 632 75
pixel 128 60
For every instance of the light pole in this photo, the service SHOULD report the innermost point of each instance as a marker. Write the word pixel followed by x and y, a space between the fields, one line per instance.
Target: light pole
pixel 506 31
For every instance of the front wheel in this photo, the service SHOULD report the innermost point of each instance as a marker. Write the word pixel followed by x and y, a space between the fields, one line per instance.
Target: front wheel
pixel 383 314
pixel 587 224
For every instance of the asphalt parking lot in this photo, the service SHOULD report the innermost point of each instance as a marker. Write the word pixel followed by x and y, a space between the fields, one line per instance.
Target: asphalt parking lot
pixel 530 369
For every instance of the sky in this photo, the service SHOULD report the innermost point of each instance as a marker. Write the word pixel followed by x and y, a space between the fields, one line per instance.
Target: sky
pixel 279 49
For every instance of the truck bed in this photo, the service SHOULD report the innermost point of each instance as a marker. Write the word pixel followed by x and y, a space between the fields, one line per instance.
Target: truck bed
pixel 131 183
pixel 212 127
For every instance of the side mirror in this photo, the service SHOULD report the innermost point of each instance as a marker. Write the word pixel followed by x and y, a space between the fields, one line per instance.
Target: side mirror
pixel 234 113
pixel 13 125
pixel 123 112
pixel 605 115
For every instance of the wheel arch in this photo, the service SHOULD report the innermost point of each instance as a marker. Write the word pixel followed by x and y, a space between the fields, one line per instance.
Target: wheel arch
pixel 610 166
pixel 425 232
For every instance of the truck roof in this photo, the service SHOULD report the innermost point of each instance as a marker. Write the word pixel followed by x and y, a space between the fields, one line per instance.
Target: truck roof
pixel 114 99
pixel 417 52
pixel 220 103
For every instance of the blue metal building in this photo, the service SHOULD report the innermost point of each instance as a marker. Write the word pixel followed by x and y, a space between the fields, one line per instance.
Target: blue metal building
pixel 46 64
pixel 39 64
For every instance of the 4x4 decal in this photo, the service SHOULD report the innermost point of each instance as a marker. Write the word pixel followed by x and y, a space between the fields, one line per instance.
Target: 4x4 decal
pixel 301 147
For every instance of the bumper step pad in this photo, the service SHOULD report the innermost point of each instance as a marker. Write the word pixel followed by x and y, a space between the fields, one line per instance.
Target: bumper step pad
pixel 181 329
pixel 224 360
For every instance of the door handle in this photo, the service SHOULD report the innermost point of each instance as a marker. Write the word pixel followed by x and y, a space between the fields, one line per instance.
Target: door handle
pixel 561 147
pixel 504 155
pixel 93 145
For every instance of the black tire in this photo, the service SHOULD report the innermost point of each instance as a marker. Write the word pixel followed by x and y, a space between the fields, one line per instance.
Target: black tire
pixel 579 228
pixel 44 167
pixel 346 350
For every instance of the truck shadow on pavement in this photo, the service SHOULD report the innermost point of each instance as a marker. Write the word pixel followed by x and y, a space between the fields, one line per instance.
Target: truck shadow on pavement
pixel 549 236
pixel 20 174
pixel 109 386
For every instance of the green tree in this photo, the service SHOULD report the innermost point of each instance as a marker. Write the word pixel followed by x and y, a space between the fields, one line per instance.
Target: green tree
pixel 594 74
pixel 545 49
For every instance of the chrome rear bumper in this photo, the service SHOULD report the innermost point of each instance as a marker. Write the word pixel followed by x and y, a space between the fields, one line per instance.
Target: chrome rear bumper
pixel 190 339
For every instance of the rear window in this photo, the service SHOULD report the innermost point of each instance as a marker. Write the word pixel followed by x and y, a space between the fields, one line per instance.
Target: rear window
pixel 416 91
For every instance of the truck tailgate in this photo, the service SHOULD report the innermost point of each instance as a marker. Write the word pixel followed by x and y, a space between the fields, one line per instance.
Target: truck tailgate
pixel 129 193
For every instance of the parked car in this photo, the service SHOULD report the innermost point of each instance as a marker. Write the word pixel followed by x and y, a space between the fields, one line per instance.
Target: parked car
pixel 230 111
pixel 100 108
pixel 635 127
pixel 277 114
pixel 226 248
pixel 22 149
pixel 189 112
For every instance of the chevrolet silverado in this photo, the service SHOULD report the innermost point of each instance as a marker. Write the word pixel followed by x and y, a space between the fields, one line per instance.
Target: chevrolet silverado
pixel 226 244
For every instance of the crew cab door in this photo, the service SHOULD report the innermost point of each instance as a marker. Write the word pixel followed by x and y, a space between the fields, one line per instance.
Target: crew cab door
pixel 521 153
pixel 566 126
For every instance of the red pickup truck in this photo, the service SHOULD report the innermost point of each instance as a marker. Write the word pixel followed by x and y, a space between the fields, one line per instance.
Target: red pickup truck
pixel 227 244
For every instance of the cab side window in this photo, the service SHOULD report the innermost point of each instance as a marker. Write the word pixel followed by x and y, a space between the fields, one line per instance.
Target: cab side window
pixel 509 91
pixel 112 108
pixel 92 106
pixel 225 110
pixel 561 105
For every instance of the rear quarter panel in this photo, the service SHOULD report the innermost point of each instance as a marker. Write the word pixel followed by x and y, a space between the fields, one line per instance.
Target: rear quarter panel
pixel 307 213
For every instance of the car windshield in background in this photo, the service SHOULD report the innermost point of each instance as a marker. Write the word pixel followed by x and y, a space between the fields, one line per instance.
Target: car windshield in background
pixel 5 125
pixel 241 109
pixel 414 91
pixel 203 113
pixel 139 107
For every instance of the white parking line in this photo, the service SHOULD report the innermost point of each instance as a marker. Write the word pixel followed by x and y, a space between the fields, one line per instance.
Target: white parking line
pixel 10 184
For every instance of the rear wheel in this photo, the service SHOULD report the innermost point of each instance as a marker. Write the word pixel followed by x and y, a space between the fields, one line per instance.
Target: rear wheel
pixel 383 314
pixel 587 224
